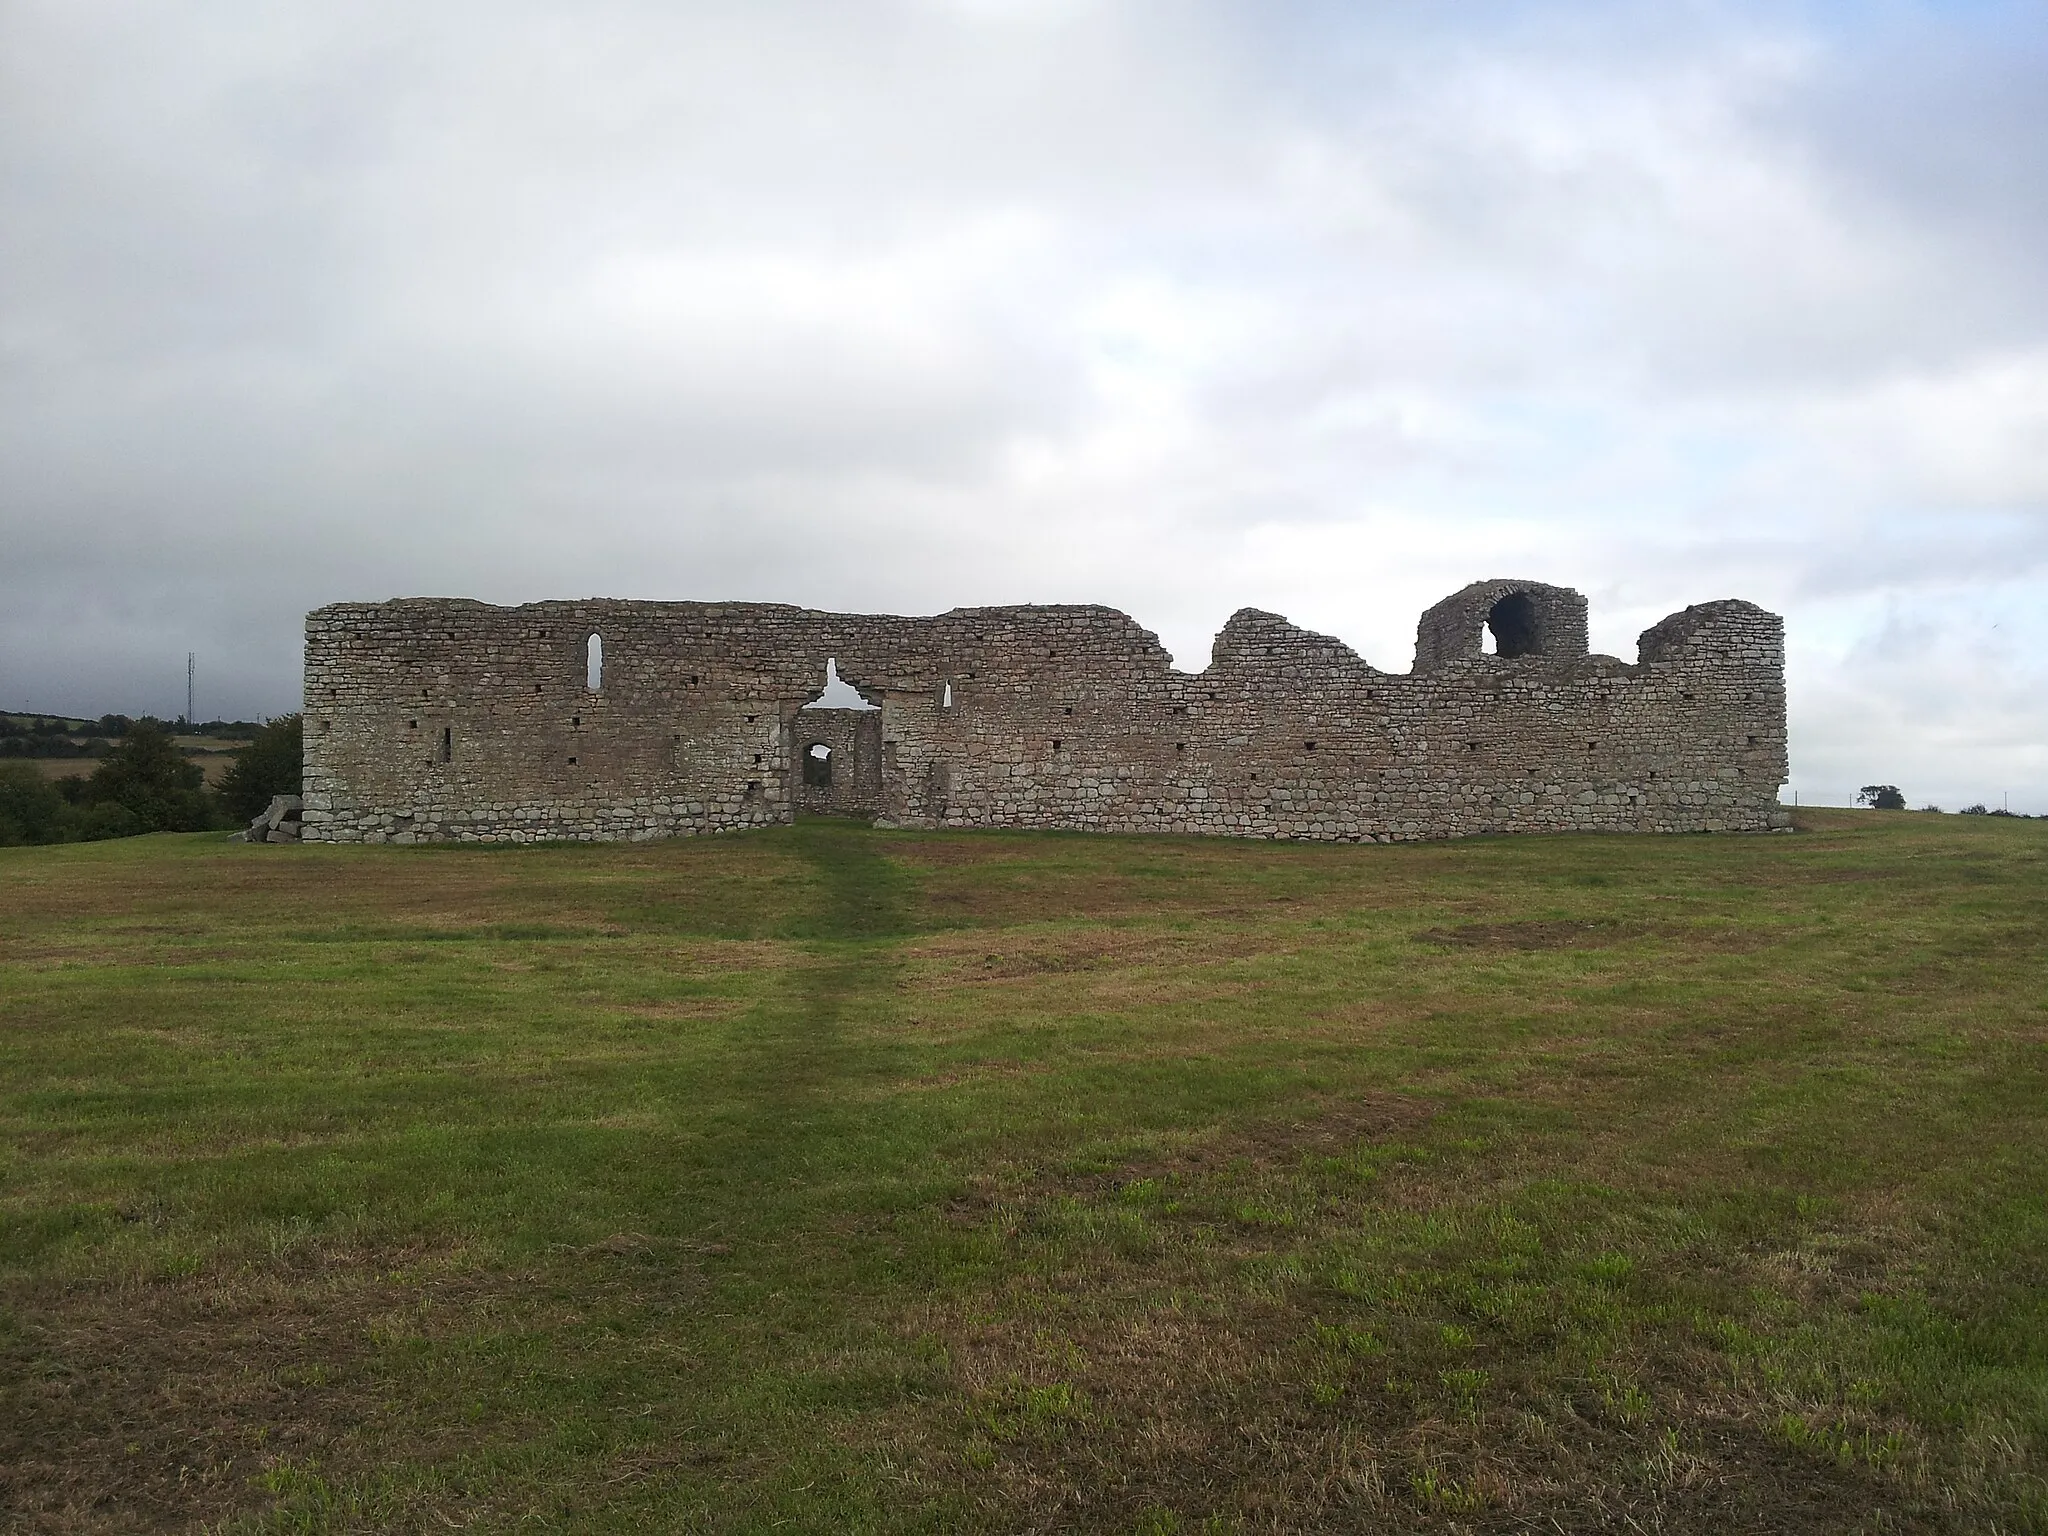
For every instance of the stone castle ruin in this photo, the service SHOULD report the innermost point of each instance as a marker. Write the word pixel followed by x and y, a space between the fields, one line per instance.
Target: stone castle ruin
pixel 434 719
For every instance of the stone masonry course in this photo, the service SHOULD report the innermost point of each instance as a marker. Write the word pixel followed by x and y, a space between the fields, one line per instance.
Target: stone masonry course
pixel 439 719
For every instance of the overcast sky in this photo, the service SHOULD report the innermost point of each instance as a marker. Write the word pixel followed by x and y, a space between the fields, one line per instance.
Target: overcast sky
pixel 895 307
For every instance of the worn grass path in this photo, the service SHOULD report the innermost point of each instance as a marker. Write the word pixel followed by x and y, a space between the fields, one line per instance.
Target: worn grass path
pixel 830 1179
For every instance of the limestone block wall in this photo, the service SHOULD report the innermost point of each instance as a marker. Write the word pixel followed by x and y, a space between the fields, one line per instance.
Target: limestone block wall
pixel 449 719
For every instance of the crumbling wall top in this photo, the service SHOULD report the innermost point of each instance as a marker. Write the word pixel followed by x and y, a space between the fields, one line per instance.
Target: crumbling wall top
pixel 1730 628
pixel 1254 640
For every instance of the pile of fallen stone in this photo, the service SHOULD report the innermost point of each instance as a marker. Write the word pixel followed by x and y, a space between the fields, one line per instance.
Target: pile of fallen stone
pixel 279 823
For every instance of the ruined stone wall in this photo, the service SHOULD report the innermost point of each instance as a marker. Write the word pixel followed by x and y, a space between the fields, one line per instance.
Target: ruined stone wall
pixel 443 718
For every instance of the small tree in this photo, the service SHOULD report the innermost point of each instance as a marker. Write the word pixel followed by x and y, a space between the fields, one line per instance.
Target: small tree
pixel 146 777
pixel 268 766
pixel 30 806
pixel 1881 797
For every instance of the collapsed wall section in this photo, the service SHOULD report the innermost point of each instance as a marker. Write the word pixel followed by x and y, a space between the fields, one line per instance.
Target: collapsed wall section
pixel 433 719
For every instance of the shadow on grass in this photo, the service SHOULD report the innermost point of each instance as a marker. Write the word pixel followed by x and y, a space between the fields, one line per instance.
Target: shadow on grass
pixel 799 1121
pixel 851 934
pixel 866 895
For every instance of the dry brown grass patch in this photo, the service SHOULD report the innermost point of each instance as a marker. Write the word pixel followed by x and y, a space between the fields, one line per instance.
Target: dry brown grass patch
pixel 140 1407
pixel 153 1405
pixel 700 1008
pixel 1574 933
pixel 1083 1415
pixel 969 959
pixel 1330 1128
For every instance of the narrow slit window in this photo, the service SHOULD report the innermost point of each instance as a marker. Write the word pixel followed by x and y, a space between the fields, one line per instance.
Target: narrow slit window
pixel 447 743
pixel 593 663
pixel 946 697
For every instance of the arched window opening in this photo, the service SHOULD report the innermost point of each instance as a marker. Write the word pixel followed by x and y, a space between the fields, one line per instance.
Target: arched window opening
pixel 818 765
pixel 946 697
pixel 593 663
pixel 1512 623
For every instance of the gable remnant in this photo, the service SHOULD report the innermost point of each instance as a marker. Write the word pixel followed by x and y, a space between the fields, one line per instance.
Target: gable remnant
pixel 433 719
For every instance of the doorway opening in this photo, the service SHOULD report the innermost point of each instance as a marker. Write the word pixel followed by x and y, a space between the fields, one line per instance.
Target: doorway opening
pixel 818 765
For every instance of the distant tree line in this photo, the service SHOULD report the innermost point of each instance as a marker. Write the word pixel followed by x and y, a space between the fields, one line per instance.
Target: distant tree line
pixel 62 736
pixel 144 784
pixel 42 736
pixel 1888 797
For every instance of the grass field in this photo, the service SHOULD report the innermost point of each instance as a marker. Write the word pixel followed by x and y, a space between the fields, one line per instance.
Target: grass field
pixel 838 1180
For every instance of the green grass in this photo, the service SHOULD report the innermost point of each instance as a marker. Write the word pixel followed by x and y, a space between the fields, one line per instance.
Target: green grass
pixel 838 1180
